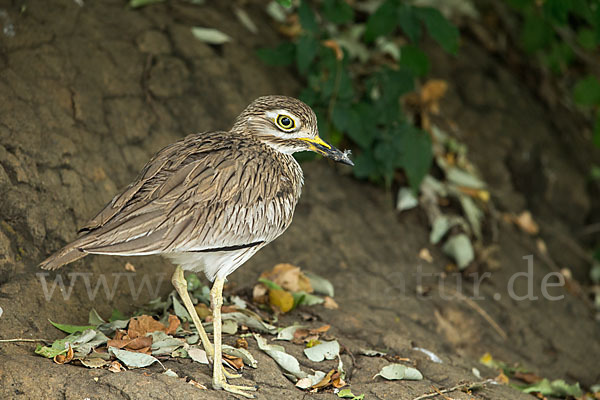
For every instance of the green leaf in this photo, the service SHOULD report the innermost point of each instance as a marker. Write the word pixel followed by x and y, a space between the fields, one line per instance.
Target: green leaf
pixel 306 299
pixel 306 51
pixel 596 134
pixel 143 3
pixel 536 33
pixel 587 91
pixel 412 58
pixel 338 11
pixel 117 315
pixel 307 18
pixel 282 55
pixel 440 29
pixel 557 10
pixel 416 154
pixel 409 22
pixel 586 38
pixel 285 3
pixel 347 394
pixel 94 318
pixel 72 328
pixel 270 284
pixel 365 166
pixel 382 22
pixel 556 388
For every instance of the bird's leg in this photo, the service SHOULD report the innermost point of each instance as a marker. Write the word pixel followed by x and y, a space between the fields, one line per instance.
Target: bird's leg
pixel 219 381
pixel 180 284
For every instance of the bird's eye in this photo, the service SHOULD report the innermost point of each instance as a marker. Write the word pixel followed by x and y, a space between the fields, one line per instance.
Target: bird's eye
pixel 285 122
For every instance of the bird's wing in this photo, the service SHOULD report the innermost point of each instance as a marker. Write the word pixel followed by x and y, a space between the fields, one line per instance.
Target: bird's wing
pixel 194 195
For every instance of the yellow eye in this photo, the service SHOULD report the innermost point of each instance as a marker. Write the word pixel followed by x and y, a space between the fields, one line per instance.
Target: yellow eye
pixel 285 122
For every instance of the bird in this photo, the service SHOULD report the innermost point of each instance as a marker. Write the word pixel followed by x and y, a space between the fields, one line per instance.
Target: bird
pixel 209 202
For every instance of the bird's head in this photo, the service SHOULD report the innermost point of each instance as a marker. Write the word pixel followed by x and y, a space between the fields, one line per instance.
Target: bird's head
pixel 286 124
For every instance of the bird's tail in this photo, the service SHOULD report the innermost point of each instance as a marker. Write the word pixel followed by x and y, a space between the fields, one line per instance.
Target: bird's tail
pixel 66 255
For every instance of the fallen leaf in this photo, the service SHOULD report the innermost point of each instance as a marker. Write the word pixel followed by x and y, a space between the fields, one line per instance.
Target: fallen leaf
pixel 115 366
pixel 171 373
pixel 406 199
pixel 72 328
pixel 210 36
pixel 241 343
pixel 319 284
pixel 330 303
pixel 202 310
pixel 198 355
pixel 288 333
pixel 399 372
pixel 140 326
pixel 282 300
pixel 251 320
pixel 132 359
pixel 94 362
pixel 94 318
pixel 288 277
pixel 141 344
pixel 245 19
pixel 326 381
pixel 325 350
pixel 197 385
pixel 62 359
pixel 241 353
pixel 129 267
pixel 527 377
pixel 347 394
pixel 310 380
pixel 260 294
pixel 556 388
pixel 459 247
pixel 372 353
pixel 286 361
pixel 235 362
pixel 526 223
pixel 425 255
pixel 174 323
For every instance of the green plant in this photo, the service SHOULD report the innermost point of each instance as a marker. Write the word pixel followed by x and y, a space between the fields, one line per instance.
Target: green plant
pixel 356 74
pixel 565 33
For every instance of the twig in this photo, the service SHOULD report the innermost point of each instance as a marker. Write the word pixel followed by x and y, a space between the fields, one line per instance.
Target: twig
pixel 24 340
pixel 438 392
pixel 483 313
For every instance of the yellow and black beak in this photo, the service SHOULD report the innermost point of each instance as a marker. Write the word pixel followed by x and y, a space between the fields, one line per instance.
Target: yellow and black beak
pixel 320 146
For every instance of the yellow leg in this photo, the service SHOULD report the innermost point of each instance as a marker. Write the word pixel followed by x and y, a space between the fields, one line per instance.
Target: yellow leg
pixel 178 280
pixel 219 381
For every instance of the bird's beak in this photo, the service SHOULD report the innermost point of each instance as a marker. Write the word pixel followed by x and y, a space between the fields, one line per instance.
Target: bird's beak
pixel 320 146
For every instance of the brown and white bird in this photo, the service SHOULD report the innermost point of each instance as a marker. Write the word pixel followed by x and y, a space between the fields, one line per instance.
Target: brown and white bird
pixel 209 202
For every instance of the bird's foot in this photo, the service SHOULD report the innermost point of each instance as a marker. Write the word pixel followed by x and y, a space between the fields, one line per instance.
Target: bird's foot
pixel 220 383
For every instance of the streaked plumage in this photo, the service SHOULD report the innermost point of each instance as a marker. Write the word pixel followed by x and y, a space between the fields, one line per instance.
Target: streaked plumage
pixel 211 200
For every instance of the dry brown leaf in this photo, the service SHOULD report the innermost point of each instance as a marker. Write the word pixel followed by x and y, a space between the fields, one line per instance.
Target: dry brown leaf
pixel 289 277
pixel 235 362
pixel 526 223
pixel 431 93
pixel 129 267
pixel 501 378
pixel 64 359
pixel 259 294
pixel 330 303
pixel 333 45
pixel 527 377
pixel 174 323
pixel 140 326
pixel 321 329
pixel 198 385
pixel 241 343
pixel 202 310
pixel 229 309
pixel 326 381
pixel 291 28
pixel 140 344
pixel 281 300
pixel 116 366
pixel 425 255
